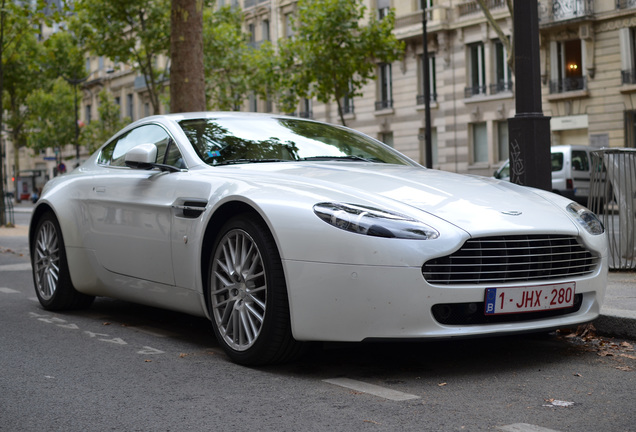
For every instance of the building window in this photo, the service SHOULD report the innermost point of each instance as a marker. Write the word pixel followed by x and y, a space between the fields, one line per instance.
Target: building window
pixel 289 30
pixel 630 129
pixel 567 66
pixel 627 38
pixel 476 70
pixel 425 4
pixel 146 109
pixel 305 109
pixel 386 138
pixel 385 92
pixel 422 138
pixel 265 29
pixel 503 74
pixel 253 102
pixel 88 114
pixel 432 82
pixel 251 31
pixel 130 106
pixel 502 140
pixel 384 7
pixel 480 142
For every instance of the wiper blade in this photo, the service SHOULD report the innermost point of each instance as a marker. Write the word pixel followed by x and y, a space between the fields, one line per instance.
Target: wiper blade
pixel 246 161
pixel 345 158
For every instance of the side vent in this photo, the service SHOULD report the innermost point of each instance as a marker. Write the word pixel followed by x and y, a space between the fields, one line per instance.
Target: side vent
pixel 190 209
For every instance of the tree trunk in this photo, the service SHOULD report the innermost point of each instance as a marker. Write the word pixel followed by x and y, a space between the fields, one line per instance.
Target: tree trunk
pixel 187 78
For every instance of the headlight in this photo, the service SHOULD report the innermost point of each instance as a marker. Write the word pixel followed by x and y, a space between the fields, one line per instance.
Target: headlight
pixel 373 222
pixel 586 219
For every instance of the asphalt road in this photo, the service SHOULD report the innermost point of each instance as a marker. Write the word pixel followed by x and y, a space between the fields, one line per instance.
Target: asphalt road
pixel 124 367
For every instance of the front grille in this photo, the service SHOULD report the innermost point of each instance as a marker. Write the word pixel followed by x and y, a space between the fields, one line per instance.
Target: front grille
pixel 506 259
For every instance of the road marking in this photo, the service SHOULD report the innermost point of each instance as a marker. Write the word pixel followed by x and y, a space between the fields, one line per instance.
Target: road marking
pixel 524 427
pixel 16 267
pixel 371 389
pixel 8 291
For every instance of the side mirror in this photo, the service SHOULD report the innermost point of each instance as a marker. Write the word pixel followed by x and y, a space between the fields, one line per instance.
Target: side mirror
pixel 142 156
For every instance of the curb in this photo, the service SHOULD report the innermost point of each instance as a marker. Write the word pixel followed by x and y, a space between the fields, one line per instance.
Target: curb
pixel 616 323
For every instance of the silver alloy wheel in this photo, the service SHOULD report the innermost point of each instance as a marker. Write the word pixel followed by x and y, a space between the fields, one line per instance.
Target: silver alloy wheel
pixel 238 289
pixel 46 261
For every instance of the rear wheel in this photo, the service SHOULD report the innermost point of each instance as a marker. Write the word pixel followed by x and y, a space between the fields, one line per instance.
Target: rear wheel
pixel 248 296
pixel 51 276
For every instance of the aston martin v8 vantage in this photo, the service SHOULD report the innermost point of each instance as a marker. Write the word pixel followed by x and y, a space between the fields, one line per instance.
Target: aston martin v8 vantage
pixel 283 230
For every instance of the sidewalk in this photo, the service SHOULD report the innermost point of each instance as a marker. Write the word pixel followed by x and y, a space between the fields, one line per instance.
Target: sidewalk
pixel 618 314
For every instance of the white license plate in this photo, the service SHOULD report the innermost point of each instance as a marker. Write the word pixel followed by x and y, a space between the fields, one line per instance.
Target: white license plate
pixel 529 299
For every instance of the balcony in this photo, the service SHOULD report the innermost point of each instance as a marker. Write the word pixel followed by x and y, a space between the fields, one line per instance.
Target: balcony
pixel 383 104
pixel 568 84
pixel 419 99
pixel 410 25
pixel 250 3
pixel 625 4
pixel 501 87
pixel 558 11
pixel 628 76
pixel 473 7
pixel 475 91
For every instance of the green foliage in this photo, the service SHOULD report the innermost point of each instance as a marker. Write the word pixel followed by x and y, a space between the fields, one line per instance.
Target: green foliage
pixel 97 132
pixel 135 32
pixel 64 57
pixel 21 76
pixel 226 58
pixel 332 55
pixel 52 119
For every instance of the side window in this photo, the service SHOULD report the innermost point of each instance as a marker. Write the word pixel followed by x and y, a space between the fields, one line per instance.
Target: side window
pixel 113 154
pixel 580 161
pixel 557 161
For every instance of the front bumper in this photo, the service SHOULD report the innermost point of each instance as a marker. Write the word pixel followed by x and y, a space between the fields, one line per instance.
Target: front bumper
pixel 351 303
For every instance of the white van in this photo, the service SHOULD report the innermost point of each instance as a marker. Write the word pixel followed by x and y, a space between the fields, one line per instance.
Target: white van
pixel 571 169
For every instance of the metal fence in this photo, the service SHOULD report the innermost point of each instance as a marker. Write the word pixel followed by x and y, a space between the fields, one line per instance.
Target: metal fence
pixel 613 199
pixel 8 210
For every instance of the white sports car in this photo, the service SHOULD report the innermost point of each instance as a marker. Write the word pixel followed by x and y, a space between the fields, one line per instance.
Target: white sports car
pixel 282 230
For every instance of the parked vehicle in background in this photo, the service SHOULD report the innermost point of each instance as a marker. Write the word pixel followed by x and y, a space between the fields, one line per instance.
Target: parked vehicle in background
pixel 571 170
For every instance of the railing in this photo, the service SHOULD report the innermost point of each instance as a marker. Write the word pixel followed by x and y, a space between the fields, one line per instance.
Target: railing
pixel 472 7
pixel 384 104
pixel 628 76
pixel 474 91
pixel 612 189
pixel 568 84
pixel 501 87
pixel 250 3
pixel 8 210
pixel 563 10
pixel 420 98
pixel 625 4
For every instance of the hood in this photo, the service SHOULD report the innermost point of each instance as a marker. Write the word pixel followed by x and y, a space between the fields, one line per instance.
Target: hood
pixel 472 203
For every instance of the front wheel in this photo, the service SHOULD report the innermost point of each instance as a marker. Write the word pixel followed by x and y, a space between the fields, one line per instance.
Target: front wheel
pixel 248 295
pixel 51 276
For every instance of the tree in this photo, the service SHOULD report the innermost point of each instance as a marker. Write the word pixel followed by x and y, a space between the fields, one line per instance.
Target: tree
pixel 332 55
pixel 187 78
pixel 135 32
pixel 507 42
pixel 22 75
pixel 17 20
pixel 109 121
pixel 227 58
pixel 52 121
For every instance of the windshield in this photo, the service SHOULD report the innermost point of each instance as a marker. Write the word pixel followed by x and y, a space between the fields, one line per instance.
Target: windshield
pixel 265 139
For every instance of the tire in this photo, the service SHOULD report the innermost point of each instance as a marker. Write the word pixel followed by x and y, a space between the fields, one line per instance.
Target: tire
pixel 51 276
pixel 247 295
